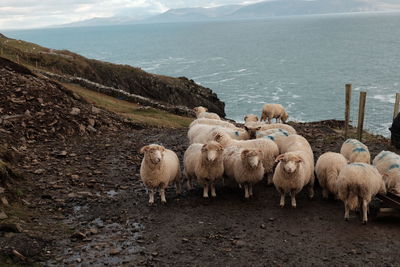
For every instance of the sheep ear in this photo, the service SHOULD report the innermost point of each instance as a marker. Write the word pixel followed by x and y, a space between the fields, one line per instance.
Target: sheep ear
pixel 217 137
pixel 220 147
pixel 204 147
pixel 298 160
pixel 258 128
pixel 144 149
pixel 163 149
pixel 246 128
pixel 195 109
pixel 245 152
pixel 245 118
pixel 206 109
pixel 257 118
pixel 280 157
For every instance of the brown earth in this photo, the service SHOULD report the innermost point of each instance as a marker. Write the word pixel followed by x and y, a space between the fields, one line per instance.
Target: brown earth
pixel 81 202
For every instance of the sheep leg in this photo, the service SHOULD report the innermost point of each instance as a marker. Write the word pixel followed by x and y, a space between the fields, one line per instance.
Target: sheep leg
pixel 269 178
pixel 269 120
pixel 151 196
pixel 282 202
pixel 293 197
pixel 311 187
pixel 251 190
pixel 325 193
pixel 205 190
pixel 246 191
pixel 346 211
pixel 162 193
pixel 178 186
pixel 365 211
pixel 213 194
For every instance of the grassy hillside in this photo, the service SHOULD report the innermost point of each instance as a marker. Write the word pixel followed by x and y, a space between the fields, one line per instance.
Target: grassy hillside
pixel 134 112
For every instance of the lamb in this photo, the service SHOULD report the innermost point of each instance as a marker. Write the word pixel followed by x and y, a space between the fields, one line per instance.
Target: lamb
pixel 327 168
pixel 204 162
pixel 274 111
pixel 293 172
pixel 355 151
pixel 212 122
pixel 268 148
pixel 250 118
pixel 244 166
pixel 202 133
pixel 358 183
pixel 160 167
pixel 388 165
pixel 201 112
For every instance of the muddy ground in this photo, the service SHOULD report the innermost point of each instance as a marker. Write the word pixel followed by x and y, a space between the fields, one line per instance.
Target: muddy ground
pixel 87 207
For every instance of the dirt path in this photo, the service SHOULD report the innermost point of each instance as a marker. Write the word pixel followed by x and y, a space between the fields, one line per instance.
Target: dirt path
pixel 94 212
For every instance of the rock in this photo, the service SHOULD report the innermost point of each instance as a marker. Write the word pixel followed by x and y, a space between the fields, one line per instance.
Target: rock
pixel 91 129
pixel 74 176
pixel 78 235
pixel 2 190
pixel 39 171
pixel 3 215
pixel 185 240
pixel 76 96
pixel 4 201
pixel 239 243
pixel 93 231
pixel 115 251
pixel 95 110
pixel 92 122
pixel 62 154
pixel 262 226
pixel 271 219
pixel 154 253
pixel 75 111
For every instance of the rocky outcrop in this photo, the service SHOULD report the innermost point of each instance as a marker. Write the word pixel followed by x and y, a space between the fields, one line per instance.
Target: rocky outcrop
pixel 166 90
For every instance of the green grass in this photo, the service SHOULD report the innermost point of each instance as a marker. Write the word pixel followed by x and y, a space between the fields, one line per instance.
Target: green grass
pixel 132 111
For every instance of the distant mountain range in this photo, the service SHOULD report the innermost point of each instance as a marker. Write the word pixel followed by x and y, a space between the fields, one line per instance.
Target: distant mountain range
pixel 270 8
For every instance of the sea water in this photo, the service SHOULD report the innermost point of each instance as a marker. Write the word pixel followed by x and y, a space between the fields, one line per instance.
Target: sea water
pixel 301 62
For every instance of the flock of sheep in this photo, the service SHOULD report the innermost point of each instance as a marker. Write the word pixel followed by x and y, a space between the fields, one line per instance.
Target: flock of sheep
pixel 219 151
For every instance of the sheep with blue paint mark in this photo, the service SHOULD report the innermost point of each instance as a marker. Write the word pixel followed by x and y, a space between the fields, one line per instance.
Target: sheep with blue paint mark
pixel 285 127
pixel 277 135
pixel 203 133
pixel 355 151
pixel 388 164
pixel 212 122
pixel 357 184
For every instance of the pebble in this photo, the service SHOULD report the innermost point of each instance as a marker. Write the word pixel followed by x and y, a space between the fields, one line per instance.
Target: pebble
pixel 262 226
pixel 3 215
pixel 115 251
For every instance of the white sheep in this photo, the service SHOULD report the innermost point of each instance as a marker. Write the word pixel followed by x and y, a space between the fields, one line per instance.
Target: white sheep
pixel 274 111
pixel 201 112
pixel 244 166
pixel 288 128
pixel 269 149
pixel 250 118
pixel 297 142
pixel 355 151
pixel 204 162
pixel 160 167
pixel 388 165
pixel 327 169
pixel 358 183
pixel 212 122
pixel 293 172
pixel 203 133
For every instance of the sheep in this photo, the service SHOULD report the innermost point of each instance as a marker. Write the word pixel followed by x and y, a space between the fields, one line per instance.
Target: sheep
pixel 288 128
pixel 212 122
pixel 244 166
pixel 159 168
pixel 202 133
pixel 388 165
pixel 204 162
pixel 327 169
pixel 293 172
pixel 358 183
pixel 274 111
pixel 269 148
pixel 201 112
pixel 277 135
pixel 297 142
pixel 355 151
pixel 250 118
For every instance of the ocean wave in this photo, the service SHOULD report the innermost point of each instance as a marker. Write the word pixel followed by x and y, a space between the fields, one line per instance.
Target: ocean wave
pixel 206 76
pixel 385 98
pixel 220 81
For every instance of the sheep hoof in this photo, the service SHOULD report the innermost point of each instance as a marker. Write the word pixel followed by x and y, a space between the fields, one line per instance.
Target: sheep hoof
pixel 294 206
pixel 364 222
pixel 346 219
pixel 281 205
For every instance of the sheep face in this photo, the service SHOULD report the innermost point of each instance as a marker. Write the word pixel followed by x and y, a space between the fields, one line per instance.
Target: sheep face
pixel 284 117
pixel 212 151
pixel 200 109
pixel 252 157
pixel 289 162
pixel 154 153
pixel 251 118
pixel 252 131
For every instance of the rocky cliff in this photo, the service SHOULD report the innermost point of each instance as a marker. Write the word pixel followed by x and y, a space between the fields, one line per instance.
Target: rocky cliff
pixel 170 90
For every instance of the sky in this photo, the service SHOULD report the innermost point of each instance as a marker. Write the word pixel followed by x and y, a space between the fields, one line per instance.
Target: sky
pixel 41 13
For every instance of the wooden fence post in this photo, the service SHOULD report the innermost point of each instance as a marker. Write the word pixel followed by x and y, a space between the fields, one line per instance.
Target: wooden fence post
pixel 361 115
pixel 396 105
pixel 347 111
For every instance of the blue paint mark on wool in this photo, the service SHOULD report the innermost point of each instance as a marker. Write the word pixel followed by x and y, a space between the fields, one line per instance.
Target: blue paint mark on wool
pixel 384 154
pixel 237 133
pixel 359 149
pixel 394 166
pixel 270 137
pixel 358 164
